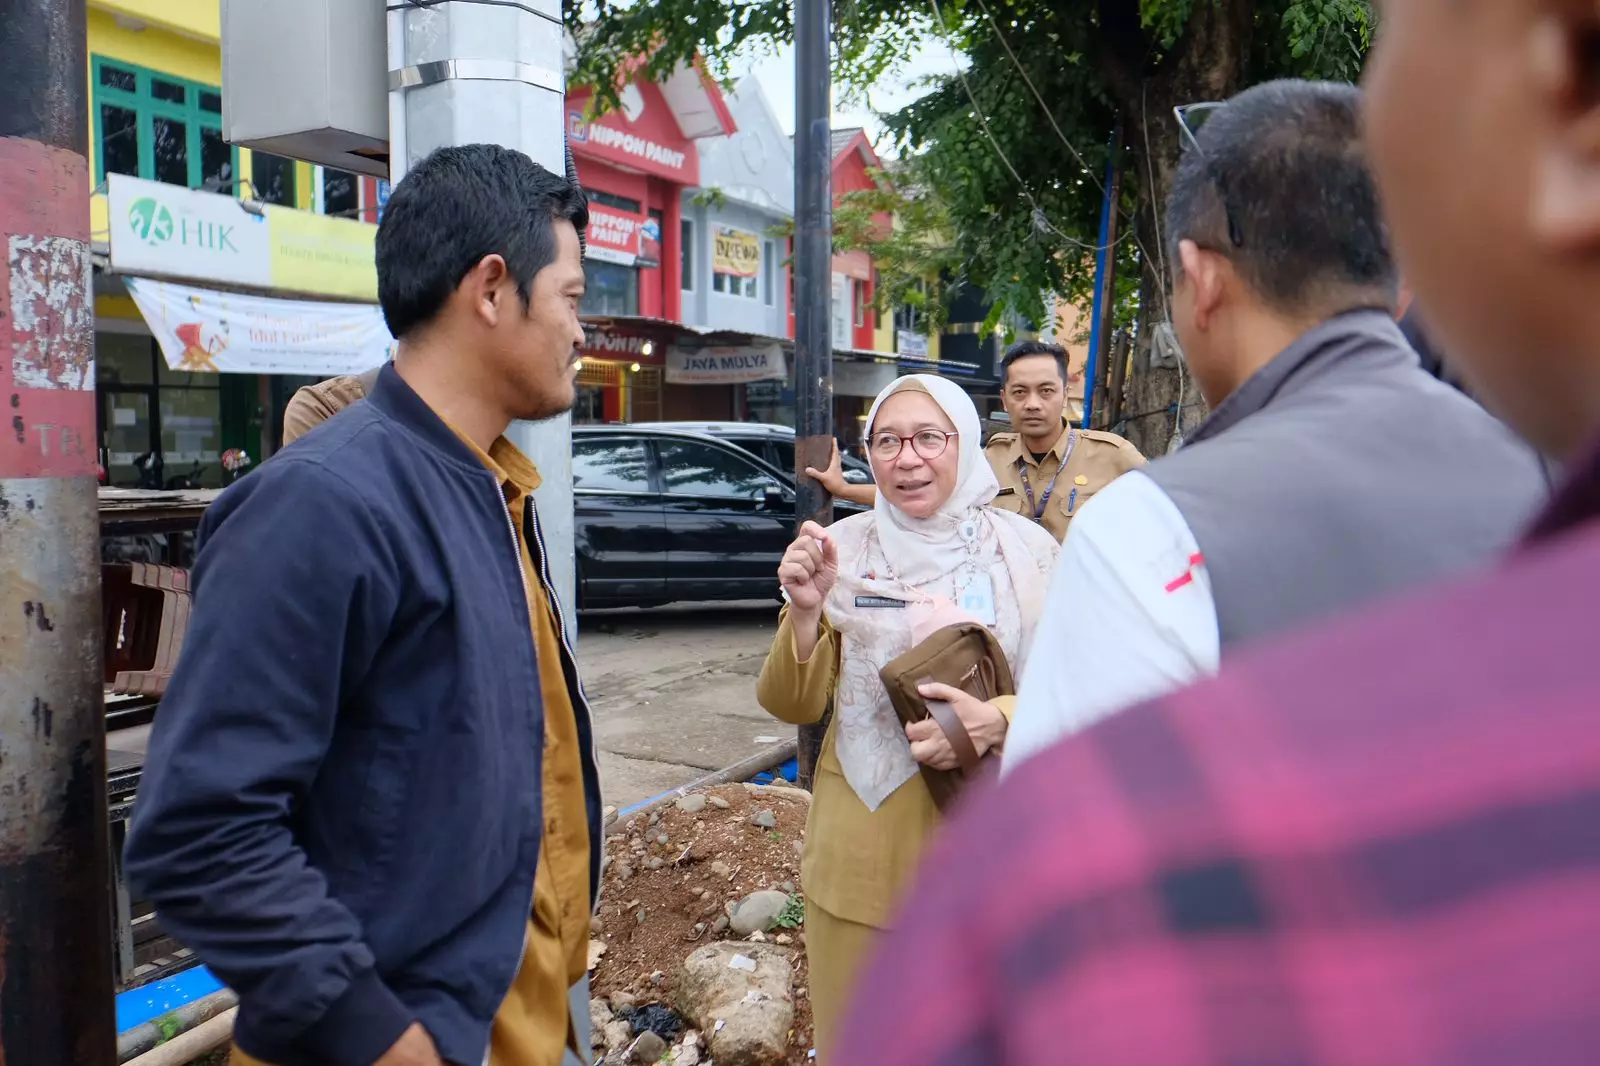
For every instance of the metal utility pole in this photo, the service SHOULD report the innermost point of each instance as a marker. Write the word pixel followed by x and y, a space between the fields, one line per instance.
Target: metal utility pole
pixel 1105 285
pixel 813 282
pixel 56 995
pixel 467 72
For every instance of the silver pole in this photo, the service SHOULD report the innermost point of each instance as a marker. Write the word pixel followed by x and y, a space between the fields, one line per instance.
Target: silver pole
pixel 492 74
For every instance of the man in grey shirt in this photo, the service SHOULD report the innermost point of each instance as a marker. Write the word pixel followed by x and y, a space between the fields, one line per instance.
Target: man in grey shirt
pixel 1332 468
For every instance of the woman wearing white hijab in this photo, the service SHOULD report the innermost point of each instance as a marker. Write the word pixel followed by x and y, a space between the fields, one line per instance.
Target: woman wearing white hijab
pixel 932 553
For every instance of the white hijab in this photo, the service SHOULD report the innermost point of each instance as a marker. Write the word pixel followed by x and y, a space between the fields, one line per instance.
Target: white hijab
pixel 924 562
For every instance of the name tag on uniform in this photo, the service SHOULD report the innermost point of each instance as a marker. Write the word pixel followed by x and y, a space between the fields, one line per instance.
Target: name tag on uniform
pixel 977 599
pixel 879 602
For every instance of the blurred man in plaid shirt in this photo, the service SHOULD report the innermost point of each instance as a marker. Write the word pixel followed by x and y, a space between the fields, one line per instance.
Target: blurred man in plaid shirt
pixel 1377 844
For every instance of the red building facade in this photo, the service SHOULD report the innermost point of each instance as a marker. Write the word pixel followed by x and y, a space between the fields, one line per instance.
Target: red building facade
pixel 635 162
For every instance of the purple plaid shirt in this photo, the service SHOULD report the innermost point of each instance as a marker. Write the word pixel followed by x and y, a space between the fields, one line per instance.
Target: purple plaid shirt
pixel 1374 844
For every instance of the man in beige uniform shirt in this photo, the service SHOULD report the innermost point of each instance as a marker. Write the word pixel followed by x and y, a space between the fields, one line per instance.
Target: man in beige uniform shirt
pixel 313 405
pixel 1047 469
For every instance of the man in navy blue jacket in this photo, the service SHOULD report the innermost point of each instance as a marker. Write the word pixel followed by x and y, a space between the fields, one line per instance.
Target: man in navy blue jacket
pixel 372 777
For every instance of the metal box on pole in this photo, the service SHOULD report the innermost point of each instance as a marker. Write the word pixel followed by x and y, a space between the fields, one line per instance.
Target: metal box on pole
pixel 306 79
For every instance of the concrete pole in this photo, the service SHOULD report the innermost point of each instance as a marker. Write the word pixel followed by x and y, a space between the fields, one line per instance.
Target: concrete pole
pixel 475 73
pixel 813 285
pixel 56 993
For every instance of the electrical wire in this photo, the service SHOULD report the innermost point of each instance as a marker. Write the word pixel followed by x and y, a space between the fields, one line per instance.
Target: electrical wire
pixel 983 122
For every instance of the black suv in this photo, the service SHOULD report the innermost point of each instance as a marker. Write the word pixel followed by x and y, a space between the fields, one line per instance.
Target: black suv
pixel 765 440
pixel 665 514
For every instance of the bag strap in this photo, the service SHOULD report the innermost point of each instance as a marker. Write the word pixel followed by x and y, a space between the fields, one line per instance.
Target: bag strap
pixel 955 732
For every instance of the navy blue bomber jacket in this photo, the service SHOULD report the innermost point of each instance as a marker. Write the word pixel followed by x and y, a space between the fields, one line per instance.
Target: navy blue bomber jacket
pixel 341 807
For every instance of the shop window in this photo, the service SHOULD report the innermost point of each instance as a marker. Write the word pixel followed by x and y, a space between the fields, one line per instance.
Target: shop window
pixel 272 178
pixel 686 242
pixel 170 419
pixel 152 125
pixel 338 193
pixel 605 199
pixel 610 289
pixel 734 285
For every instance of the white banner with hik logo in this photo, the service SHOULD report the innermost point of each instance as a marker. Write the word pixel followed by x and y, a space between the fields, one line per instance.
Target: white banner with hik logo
pixel 204 331
pixel 169 230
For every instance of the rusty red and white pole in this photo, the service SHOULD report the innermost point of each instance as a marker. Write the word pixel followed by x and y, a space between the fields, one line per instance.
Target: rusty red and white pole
pixel 56 993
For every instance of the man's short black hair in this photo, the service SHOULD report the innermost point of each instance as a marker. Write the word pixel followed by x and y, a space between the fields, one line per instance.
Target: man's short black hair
pixel 1026 349
pixel 457 206
pixel 1280 185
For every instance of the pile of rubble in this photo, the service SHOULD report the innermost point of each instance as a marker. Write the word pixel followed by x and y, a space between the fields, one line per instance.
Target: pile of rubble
pixel 698 949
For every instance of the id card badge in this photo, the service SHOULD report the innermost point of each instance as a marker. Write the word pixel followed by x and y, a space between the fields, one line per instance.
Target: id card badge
pixel 977 599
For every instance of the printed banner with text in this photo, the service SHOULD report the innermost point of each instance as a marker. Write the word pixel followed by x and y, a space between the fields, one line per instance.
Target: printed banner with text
pixel 738 253
pixel 201 330
pixel 725 366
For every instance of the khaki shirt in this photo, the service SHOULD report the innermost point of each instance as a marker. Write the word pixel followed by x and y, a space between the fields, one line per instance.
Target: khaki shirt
pixel 313 405
pixel 1096 460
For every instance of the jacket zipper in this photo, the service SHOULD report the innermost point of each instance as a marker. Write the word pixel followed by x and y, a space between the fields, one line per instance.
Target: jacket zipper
pixel 570 657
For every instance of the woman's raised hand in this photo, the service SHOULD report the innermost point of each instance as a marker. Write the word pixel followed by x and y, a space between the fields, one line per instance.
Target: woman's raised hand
pixel 810 569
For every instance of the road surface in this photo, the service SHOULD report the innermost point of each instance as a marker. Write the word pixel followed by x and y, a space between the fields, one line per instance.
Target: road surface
pixel 673 692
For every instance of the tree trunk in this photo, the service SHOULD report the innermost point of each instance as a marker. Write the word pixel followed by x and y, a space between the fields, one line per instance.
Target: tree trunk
pixel 1207 63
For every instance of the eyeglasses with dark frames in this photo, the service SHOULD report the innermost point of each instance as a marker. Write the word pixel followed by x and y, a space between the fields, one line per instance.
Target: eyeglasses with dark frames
pixel 929 444
pixel 1191 117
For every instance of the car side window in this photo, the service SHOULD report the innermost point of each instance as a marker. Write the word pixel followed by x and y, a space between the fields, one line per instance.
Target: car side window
pixel 783 455
pixel 610 464
pixel 692 468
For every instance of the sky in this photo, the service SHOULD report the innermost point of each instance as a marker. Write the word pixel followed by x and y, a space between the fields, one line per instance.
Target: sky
pixel 776 74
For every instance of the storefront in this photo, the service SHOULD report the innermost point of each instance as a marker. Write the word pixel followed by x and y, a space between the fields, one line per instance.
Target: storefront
pixel 634 163
pixel 185 372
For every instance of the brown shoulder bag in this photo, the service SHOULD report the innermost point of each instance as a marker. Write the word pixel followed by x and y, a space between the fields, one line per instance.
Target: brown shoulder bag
pixel 967 657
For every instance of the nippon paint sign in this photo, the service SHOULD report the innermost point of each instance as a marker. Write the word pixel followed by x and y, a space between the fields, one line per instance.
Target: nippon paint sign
pixel 726 366
pixel 623 237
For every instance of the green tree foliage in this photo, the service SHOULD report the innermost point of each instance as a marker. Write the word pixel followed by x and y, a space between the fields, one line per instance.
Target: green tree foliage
pixel 1009 158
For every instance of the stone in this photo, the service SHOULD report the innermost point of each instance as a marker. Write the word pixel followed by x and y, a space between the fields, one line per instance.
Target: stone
pixel 746 1013
pixel 764 820
pixel 663 840
pixel 655 863
pixel 691 804
pixel 720 925
pixel 721 869
pixel 758 912
pixel 787 886
pixel 599 1018
pixel 655 817
pixel 783 938
pixel 648 1048
pixel 597 925
pixel 718 802
pixel 640 916
pixel 618 1034
pixel 619 1000
pixel 657 977
pixel 624 870
pixel 688 1055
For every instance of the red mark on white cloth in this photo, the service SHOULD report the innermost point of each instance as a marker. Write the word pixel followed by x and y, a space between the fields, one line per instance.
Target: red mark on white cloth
pixel 1195 560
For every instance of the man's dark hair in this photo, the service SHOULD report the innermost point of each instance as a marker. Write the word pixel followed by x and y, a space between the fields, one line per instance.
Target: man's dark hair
pixel 1028 349
pixel 1280 185
pixel 457 206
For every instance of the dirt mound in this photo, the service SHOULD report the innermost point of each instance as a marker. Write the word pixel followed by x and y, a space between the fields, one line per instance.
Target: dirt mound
pixel 671 879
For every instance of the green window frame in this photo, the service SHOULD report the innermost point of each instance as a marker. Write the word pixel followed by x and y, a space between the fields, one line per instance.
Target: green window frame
pixel 176 124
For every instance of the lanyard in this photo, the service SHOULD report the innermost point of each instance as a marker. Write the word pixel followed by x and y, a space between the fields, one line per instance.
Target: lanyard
pixel 1038 509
